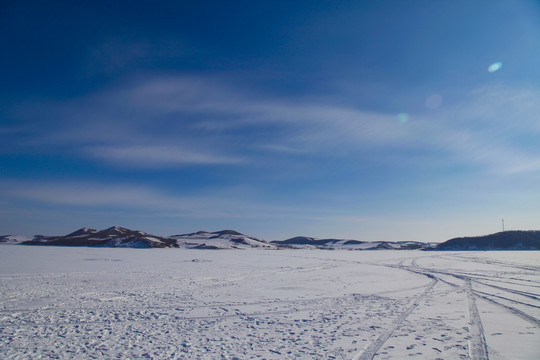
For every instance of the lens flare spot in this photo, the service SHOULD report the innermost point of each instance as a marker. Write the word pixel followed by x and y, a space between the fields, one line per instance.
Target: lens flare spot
pixel 495 66
pixel 433 101
pixel 402 118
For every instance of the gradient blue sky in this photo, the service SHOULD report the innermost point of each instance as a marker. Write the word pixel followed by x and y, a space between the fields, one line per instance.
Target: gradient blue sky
pixel 373 120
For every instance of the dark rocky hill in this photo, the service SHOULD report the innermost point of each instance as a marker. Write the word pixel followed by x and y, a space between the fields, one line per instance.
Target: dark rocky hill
pixel 507 240
pixel 112 237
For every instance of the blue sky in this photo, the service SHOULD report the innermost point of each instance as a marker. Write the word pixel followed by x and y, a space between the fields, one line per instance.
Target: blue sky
pixel 373 120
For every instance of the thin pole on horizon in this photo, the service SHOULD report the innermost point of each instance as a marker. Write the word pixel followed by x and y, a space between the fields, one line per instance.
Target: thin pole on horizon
pixel 503 224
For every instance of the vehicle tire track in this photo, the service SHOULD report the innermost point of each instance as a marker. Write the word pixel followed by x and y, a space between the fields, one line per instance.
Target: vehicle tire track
pixel 494 262
pixel 513 291
pixel 471 279
pixel 518 282
pixel 482 294
pixel 486 296
pixel 371 351
pixel 477 344
pixel 519 313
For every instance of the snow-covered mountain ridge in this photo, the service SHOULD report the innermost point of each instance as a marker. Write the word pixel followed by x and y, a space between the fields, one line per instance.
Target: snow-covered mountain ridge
pixel 112 237
pixel 225 239
pixel 121 237
pixel 332 244
pixel 229 239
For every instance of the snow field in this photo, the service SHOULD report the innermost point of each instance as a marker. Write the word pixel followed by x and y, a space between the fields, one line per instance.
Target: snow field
pixel 84 303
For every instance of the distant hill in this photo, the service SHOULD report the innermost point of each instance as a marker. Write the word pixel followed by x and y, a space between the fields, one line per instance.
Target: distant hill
pixel 224 239
pixel 507 240
pixel 112 237
pixel 13 239
pixel 333 244
pixel 121 237
pixel 230 239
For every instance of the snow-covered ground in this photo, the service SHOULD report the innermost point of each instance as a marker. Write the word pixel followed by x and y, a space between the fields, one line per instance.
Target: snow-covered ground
pixel 83 303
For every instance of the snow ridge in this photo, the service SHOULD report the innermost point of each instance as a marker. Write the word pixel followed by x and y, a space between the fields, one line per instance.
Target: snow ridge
pixel 117 236
pixel 304 242
pixel 112 237
pixel 224 239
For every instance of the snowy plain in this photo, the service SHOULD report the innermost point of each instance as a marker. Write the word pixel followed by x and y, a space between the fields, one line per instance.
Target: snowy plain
pixel 103 303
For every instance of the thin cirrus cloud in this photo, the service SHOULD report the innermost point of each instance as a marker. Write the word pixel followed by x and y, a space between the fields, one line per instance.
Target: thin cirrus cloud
pixel 496 129
pixel 96 195
pixel 219 107
pixel 190 121
pixel 234 108
pixel 224 203
pixel 159 156
pixel 182 121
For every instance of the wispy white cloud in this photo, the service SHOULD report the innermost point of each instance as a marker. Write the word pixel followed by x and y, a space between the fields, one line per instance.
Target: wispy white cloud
pixel 179 121
pixel 214 122
pixel 289 149
pixel 82 194
pixel 136 199
pixel 226 203
pixel 494 129
pixel 235 109
pixel 491 120
pixel 158 156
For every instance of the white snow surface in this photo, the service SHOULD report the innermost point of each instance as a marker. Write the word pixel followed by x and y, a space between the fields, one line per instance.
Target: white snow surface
pixel 82 303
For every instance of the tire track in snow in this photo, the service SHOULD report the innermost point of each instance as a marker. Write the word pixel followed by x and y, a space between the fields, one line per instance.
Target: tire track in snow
pixel 493 262
pixel 477 344
pixel 386 292
pixel 519 313
pixel 513 291
pixel 487 296
pixel 482 294
pixel 371 351
pixel 498 279
pixel 478 349
pixel 472 279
